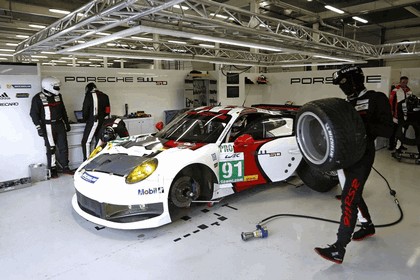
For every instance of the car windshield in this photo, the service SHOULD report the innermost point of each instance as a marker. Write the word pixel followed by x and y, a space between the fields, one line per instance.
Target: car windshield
pixel 195 127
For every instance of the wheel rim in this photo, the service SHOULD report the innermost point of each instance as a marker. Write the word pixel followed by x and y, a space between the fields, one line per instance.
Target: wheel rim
pixel 312 138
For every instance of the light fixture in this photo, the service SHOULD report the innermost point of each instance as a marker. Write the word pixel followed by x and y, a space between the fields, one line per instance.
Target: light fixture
pixel 12 44
pixel 333 58
pixel 177 42
pixel 206 45
pixel 6 50
pixel 236 43
pixel 37 26
pixel 331 8
pixel 22 36
pixel 141 38
pixel 5 54
pixel 57 11
pixel 103 33
pixel 181 7
pixel 360 19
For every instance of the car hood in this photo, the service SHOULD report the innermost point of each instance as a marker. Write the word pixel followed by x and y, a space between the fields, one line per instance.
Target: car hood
pixel 123 157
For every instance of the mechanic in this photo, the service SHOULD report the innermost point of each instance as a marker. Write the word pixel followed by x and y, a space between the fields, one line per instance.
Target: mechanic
pixel 374 109
pixel 96 108
pixel 112 128
pixel 408 114
pixel 49 115
pixel 398 93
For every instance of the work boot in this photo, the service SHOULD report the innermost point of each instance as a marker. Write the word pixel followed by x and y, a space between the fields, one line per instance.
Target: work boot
pixel 334 253
pixel 53 172
pixel 365 231
pixel 66 170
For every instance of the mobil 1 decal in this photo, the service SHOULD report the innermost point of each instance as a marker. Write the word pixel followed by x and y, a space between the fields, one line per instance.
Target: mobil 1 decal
pixel 231 165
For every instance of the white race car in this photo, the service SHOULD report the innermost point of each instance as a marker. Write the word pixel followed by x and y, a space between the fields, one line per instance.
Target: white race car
pixel 202 155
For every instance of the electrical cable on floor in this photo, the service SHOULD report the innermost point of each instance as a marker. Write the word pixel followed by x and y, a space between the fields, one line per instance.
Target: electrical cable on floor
pixel 262 232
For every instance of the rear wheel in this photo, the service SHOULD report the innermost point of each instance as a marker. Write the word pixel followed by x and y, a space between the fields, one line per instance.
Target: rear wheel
pixel 320 181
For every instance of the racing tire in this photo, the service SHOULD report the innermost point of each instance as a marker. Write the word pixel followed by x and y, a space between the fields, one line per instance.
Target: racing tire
pixel 330 134
pixel 315 179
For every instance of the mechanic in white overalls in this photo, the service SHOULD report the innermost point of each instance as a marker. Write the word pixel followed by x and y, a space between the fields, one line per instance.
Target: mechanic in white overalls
pixel 49 115
pixel 96 108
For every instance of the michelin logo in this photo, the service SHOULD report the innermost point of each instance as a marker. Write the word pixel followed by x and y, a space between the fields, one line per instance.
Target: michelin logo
pixel 150 191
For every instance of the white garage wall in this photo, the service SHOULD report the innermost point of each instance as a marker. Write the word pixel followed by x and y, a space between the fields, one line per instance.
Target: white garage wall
pixel 151 91
pixel 20 144
pixel 413 75
pixel 302 87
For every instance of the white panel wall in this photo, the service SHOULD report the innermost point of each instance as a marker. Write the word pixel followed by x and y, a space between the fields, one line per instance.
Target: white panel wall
pixel 413 75
pixel 151 91
pixel 20 144
pixel 302 87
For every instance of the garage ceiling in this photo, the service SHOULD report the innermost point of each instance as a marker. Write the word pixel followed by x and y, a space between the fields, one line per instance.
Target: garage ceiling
pixel 263 33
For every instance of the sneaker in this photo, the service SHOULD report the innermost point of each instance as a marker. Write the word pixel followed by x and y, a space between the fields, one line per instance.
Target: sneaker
pixel 364 232
pixel 334 253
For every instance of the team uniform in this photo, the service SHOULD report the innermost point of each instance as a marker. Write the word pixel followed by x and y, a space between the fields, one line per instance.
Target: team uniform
pixel 408 115
pixel 49 115
pixel 96 108
pixel 373 107
pixel 397 94
pixel 111 128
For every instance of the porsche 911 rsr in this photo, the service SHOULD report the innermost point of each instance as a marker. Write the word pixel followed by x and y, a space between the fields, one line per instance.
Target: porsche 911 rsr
pixel 203 155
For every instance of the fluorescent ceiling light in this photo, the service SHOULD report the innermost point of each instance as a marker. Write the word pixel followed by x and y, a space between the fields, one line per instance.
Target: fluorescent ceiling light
pixel 206 45
pixel 236 43
pixel 5 54
pixel 141 38
pixel 177 42
pixel 3 58
pixel 331 8
pixel 181 7
pixel 37 26
pixel 103 33
pixel 22 36
pixel 57 11
pixel 39 56
pixel 68 58
pixel 314 64
pixel 360 19
pixel 95 59
pixel 11 44
pixel 45 52
pixel 6 50
pixel 333 58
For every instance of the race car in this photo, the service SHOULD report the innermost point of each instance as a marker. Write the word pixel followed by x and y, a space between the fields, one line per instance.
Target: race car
pixel 201 156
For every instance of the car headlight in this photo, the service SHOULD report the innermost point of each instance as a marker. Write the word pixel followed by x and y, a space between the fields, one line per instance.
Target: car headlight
pixel 99 149
pixel 142 171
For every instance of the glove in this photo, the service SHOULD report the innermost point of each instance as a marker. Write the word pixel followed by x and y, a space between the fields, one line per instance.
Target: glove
pixel 68 127
pixel 40 131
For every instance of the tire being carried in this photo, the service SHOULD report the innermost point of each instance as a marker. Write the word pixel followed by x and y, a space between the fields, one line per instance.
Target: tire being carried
pixel 330 134
pixel 315 179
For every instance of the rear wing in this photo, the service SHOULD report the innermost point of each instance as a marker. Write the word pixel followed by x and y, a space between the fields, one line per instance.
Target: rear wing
pixel 286 109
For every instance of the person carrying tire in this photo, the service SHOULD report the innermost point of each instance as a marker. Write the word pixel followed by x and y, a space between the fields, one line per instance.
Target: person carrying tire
pixel 96 108
pixel 373 107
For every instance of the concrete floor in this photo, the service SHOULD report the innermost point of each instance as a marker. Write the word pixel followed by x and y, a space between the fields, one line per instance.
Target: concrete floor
pixel 42 237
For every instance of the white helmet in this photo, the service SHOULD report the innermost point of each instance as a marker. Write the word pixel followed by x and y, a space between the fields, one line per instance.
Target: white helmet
pixel 51 85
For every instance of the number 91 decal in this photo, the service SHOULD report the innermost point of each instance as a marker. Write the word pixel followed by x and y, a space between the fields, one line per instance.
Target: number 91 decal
pixel 231 165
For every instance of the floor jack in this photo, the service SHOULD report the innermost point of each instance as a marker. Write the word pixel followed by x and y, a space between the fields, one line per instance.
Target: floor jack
pixel 406 155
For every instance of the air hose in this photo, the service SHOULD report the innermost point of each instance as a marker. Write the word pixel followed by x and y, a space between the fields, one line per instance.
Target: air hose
pixel 262 232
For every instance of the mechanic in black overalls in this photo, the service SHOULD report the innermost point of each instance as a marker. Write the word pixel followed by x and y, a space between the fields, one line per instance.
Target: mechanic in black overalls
pixel 95 109
pixel 112 128
pixel 375 111
pixel 49 115
pixel 408 115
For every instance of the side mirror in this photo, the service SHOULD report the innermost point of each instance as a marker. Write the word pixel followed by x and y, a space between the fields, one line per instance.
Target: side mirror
pixel 244 140
pixel 159 126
